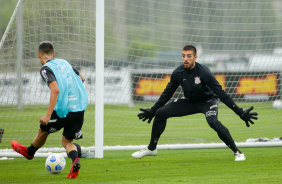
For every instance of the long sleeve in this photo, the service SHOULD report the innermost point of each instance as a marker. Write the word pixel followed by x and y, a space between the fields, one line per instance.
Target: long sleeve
pixel 166 95
pixel 220 93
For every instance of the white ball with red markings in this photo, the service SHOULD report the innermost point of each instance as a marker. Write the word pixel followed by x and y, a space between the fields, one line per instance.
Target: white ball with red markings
pixel 55 163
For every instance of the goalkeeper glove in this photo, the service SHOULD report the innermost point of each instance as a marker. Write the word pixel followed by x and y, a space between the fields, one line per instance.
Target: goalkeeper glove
pixel 146 114
pixel 246 115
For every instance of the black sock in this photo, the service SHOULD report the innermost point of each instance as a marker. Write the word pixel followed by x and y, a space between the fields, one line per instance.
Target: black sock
pixel 73 155
pixel 31 150
pixel 234 148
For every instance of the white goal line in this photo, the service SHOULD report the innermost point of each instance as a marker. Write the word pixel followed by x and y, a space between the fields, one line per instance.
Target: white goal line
pixel 45 152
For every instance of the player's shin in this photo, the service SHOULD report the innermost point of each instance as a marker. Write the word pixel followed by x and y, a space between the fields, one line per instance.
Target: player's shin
pixel 224 134
pixel 226 137
pixel 157 130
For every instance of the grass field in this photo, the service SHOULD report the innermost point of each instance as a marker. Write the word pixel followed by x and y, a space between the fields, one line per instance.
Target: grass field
pixel 197 166
pixel 122 126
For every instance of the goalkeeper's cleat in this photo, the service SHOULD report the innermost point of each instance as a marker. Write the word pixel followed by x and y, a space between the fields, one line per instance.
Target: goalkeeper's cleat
pixel 239 156
pixel 144 152
pixel 21 149
pixel 74 169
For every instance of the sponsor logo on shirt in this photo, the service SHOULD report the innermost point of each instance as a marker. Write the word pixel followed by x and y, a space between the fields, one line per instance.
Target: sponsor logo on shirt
pixel 70 81
pixel 72 107
pixel 72 90
pixel 43 73
pixel 197 80
pixel 72 98
pixel 61 67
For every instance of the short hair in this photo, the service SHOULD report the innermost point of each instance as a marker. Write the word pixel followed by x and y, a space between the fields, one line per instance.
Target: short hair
pixel 46 47
pixel 190 47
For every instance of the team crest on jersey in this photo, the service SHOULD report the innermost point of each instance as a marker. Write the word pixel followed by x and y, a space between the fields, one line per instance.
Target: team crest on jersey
pixel 197 80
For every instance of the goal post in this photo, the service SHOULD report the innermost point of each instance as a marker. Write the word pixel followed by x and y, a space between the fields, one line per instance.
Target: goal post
pixel 127 50
pixel 99 104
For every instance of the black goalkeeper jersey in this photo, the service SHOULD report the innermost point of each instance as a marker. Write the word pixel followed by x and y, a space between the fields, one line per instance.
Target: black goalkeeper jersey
pixel 198 85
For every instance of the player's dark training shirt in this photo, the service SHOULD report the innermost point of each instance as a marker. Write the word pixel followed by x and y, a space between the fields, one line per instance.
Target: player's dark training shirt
pixel 48 75
pixel 198 85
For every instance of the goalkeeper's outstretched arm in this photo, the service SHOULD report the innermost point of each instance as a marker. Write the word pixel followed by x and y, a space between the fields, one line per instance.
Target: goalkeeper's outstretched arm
pixel 245 115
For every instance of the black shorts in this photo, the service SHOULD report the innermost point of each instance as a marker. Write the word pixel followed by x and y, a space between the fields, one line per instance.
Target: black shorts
pixel 182 107
pixel 72 125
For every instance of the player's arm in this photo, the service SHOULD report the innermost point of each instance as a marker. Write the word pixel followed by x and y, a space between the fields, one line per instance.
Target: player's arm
pixel 49 77
pixel 53 100
pixel 82 77
pixel 79 74
pixel 245 115
pixel 166 95
pixel 164 98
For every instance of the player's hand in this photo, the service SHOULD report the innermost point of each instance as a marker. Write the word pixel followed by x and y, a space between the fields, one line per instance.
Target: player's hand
pixel 82 77
pixel 146 114
pixel 44 120
pixel 247 116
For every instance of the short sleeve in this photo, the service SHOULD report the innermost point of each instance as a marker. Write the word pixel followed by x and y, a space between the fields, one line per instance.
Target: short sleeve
pixel 47 75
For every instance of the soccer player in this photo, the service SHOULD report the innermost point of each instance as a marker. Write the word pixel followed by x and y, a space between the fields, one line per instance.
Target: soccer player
pixel 201 93
pixel 68 101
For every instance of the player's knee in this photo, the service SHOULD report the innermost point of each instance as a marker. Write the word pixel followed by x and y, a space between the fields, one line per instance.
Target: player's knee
pixel 160 114
pixel 42 135
pixel 216 125
pixel 65 142
pixel 42 132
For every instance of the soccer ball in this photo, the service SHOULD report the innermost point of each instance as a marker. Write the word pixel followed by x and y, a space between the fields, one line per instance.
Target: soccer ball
pixel 277 104
pixel 55 163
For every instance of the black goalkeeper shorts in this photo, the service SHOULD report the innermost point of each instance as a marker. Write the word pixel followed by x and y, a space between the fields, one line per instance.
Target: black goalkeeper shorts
pixel 72 125
pixel 182 107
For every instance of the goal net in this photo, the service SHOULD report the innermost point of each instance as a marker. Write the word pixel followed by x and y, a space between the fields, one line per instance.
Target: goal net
pixel 240 41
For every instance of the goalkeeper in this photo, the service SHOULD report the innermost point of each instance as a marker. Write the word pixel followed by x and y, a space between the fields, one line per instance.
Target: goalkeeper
pixel 201 93
pixel 68 101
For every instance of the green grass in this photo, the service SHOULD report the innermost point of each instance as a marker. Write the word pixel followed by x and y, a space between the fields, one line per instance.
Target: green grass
pixel 212 166
pixel 122 126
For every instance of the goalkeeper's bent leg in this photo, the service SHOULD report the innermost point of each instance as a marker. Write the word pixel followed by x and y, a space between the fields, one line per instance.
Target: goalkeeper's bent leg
pixel 224 134
pixel 158 128
pixel 177 108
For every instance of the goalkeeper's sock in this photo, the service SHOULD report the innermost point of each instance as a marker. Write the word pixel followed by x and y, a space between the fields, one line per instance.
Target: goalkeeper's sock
pixel 153 144
pixel 31 150
pixel 234 148
pixel 230 143
pixel 73 155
